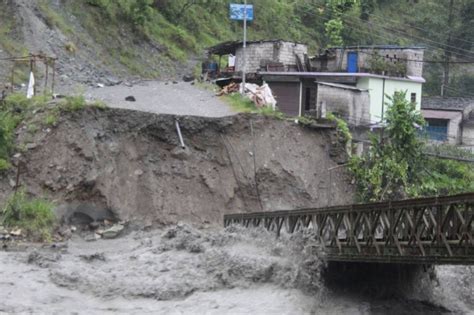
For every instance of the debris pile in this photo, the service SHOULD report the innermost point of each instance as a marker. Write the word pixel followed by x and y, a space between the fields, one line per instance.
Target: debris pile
pixel 229 89
pixel 14 233
pixel 260 95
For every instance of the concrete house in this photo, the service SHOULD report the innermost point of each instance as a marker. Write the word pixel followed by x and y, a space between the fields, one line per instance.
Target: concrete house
pixel 449 119
pixel 301 93
pixel 359 77
pixel 262 55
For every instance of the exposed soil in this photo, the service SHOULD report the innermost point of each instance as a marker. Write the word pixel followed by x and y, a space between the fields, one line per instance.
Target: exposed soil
pixel 130 165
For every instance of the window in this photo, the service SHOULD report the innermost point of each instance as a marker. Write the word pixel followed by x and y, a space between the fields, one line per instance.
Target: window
pixel 413 97
pixel 437 129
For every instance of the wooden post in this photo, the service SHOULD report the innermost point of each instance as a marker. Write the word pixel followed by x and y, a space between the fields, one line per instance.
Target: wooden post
pixel 13 76
pixel 54 75
pixel 46 60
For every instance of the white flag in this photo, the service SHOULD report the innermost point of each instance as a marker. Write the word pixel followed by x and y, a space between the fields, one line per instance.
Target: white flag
pixel 31 86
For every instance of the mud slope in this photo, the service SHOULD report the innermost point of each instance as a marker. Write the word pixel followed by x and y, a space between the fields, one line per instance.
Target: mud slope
pixel 131 163
pixel 50 27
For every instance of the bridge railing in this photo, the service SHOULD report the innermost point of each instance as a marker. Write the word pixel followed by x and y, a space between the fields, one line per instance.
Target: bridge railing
pixel 436 230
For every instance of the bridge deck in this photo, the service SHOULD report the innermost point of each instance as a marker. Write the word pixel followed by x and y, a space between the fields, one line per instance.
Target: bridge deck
pixel 436 230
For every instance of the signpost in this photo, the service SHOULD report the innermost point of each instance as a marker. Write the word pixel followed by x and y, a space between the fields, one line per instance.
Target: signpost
pixel 243 12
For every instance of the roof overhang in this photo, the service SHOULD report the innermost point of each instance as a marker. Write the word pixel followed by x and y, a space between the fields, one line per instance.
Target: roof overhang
pixel 341 86
pixel 341 75
pixel 231 47
pixel 441 114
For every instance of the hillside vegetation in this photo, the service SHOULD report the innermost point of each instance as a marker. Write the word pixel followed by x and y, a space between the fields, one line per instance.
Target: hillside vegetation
pixel 150 37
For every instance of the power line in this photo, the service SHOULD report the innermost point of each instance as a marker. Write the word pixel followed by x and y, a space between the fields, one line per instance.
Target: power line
pixel 409 36
pixel 424 61
pixel 384 30
pixel 415 27
pixel 458 91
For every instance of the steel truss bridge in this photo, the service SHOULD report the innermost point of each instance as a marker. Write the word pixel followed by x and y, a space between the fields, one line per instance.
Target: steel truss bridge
pixel 436 230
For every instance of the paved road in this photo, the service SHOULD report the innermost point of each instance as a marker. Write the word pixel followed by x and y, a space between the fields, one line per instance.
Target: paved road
pixel 158 97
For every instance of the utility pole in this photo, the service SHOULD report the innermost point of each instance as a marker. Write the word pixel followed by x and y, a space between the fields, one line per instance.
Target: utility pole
pixel 447 51
pixel 244 65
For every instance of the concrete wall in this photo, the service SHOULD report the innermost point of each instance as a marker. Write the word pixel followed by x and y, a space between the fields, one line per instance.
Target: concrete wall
pixel 283 52
pixel 378 93
pixel 351 104
pixel 339 63
pixel 468 133
pixel 454 119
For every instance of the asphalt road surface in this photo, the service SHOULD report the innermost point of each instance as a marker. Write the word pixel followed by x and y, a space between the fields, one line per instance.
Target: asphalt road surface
pixel 164 98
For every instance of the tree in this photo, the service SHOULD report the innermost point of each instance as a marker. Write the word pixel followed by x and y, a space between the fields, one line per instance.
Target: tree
pixel 334 27
pixel 392 165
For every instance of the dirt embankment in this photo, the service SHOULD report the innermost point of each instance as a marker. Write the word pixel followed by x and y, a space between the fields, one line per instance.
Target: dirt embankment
pixel 130 164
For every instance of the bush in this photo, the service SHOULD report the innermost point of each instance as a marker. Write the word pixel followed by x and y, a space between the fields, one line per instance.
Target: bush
pixel 51 119
pixel 4 165
pixel 33 216
pixel 343 131
pixel 73 103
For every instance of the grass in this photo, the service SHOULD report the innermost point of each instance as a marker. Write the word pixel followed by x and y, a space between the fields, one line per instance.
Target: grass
pixel 245 105
pixel 33 215
pixel 4 165
pixel 98 104
pixel 70 47
pixel 32 128
pixel 342 127
pixel 52 18
pixel 51 118
pixel 73 103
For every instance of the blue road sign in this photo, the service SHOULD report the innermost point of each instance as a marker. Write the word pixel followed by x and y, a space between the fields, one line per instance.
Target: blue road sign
pixel 237 12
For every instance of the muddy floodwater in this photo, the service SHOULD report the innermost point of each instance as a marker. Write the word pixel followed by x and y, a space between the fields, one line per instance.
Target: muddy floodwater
pixel 184 270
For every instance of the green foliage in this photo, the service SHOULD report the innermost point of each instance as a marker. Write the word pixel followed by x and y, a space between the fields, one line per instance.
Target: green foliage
pixel 245 105
pixel 334 30
pixel 378 64
pixel 12 113
pixel 70 47
pixel 34 216
pixel 98 104
pixel 392 167
pixel 444 177
pixel 343 131
pixel 4 165
pixel 240 104
pixel 32 128
pixel 73 103
pixel 367 7
pixel 305 120
pixel 52 18
pixel 397 167
pixel 14 109
pixel 51 118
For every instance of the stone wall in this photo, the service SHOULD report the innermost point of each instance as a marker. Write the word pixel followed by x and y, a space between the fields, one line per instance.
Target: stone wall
pixel 258 53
